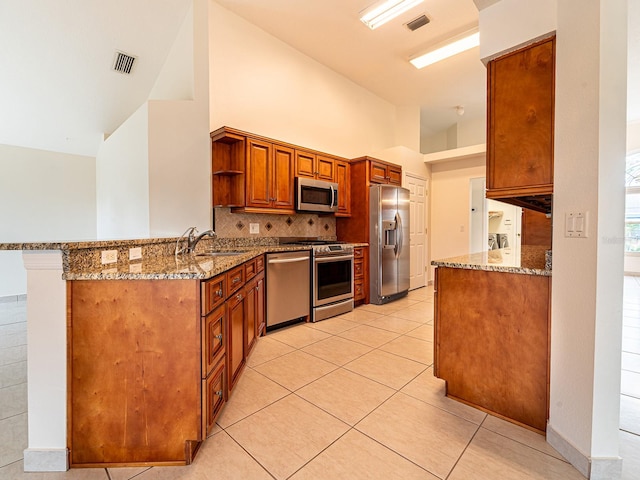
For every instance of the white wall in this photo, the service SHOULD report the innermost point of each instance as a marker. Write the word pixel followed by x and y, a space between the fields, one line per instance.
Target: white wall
pixel 261 85
pixel 154 170
pixel 450 201
pixel 44 196
pixel 122 180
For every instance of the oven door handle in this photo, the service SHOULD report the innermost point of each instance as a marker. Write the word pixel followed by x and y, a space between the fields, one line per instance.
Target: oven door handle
pixel 330 258
pixel 289 260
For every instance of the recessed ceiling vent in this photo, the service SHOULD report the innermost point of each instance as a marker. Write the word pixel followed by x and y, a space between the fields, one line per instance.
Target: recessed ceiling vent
pixel 123 62
pixel 416 23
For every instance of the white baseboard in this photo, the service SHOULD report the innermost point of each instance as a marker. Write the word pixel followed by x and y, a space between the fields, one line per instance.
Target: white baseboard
pixel 593 468
pixel 46 460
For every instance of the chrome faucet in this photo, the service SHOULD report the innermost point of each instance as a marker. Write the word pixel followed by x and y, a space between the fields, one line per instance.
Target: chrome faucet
pixel 191 238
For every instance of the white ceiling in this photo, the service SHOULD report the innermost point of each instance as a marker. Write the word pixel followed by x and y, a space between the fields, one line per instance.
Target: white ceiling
pixel 57 91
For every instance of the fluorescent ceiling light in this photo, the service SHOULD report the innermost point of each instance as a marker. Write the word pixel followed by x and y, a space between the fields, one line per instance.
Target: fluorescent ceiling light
pixel 463 43
pixel 386 11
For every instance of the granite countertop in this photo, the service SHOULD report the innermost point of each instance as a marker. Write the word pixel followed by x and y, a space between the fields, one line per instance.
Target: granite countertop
pixel 81 259
pixel 530 262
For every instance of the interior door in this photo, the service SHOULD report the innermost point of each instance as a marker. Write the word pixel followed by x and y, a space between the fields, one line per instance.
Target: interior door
pixel 417 187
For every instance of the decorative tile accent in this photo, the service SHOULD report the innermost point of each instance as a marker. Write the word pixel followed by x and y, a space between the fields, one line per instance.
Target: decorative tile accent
pixel 239 225
pixel 310 222
pixel 326 227
pixel 268 226
pixel 289 221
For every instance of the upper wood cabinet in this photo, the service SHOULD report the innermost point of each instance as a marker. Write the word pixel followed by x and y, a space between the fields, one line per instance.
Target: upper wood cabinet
pixel 520 121
pixel 312 165
pixel 257 174
pixel 382 172
pixel 269 176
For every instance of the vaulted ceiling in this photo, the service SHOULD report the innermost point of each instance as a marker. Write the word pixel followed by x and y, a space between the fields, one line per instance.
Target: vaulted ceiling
pixel 58 92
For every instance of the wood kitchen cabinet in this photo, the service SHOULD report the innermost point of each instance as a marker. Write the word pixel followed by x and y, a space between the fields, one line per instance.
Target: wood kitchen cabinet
pixel 256 174
pixel 360 262
pixel 312 165
pixel 520 122
pixel 343 178
pixel 269 177
pixel 365 171
pixel 383 172
pixel 491 342
pixel 152 363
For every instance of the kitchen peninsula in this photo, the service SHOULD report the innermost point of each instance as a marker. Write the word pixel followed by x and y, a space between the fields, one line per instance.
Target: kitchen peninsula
pixel 491 327
pixel 130 363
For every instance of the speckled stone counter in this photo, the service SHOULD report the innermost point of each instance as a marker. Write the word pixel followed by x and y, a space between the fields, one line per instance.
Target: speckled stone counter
pixel 530 262
pixel 81 260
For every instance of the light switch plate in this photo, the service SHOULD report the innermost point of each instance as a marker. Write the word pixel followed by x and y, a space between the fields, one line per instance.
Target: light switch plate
pixel 254 228
pixel 576 224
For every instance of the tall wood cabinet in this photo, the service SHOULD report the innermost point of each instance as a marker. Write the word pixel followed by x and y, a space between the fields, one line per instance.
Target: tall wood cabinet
pixel 520 122
pixel 256 174
pixel 365 171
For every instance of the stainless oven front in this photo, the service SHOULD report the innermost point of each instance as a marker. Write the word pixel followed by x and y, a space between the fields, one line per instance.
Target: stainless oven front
pixel 332 286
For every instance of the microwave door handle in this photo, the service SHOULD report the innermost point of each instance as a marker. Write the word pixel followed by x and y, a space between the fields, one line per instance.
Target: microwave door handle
pixel 333 196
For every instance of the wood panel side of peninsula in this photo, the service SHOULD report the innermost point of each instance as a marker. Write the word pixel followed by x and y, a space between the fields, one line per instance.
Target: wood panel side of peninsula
pixel 492 342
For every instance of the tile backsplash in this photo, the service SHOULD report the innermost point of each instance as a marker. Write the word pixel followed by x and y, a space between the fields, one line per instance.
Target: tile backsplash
pixel 229 224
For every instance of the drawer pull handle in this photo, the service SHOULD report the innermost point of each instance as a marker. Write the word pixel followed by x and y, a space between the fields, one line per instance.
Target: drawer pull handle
pixel 219 293
pixel 235 280
pixel 239 297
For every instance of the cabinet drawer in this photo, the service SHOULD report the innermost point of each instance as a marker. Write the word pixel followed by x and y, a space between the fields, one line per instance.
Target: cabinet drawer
pixel 358 252
pixel 235 279
pixel 358 268
pixel 260 263
pixel 250 269
pixel 358 287
pixel 213 338
pixel 213 393
pixel 213 293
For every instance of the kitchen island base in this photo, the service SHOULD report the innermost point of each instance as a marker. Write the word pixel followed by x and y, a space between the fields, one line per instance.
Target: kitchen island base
pixel 492 342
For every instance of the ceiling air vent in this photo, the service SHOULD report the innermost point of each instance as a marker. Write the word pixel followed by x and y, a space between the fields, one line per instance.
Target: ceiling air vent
pixel 123 62
pixel 416 23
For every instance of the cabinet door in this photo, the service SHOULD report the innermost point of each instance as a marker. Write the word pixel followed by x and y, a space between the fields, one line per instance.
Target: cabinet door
pixel 260 317
pixel 343 178
pixel 213 392
pixel 235 337
pixel 213 339
pixel 305 164
pixel 259 160
pixel 520 115
pixel 325 168
pixel 282 177
pixel 250 331
pixel 377 172
pixel 394 175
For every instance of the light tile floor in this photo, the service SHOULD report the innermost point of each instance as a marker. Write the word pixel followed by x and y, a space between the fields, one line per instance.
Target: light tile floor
pixel 352 397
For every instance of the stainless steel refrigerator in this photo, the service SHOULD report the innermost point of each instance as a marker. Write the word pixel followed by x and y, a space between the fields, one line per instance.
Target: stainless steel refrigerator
pixel 389 264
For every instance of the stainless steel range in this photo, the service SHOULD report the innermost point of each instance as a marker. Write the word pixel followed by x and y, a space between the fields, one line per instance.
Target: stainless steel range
pixel 331 278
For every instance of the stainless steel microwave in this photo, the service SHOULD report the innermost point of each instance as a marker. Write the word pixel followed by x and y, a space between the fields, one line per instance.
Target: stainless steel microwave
pixel 316 195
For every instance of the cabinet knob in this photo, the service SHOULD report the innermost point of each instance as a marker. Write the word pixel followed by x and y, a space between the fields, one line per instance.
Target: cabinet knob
pixel 219 293
pixel 219 393
pixel 239 297
pixel 219 337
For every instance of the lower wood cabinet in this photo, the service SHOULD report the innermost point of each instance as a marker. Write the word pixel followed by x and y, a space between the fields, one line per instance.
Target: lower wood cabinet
pixel 491 342
pixel 360 275
pixel 151 363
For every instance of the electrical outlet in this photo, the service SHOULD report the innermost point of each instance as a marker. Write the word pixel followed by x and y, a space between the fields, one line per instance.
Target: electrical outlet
pixel 254 228
pixel 109 256
pixel 135 253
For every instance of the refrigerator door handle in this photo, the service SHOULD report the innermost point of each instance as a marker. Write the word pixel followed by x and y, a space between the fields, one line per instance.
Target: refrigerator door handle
pixel 399 238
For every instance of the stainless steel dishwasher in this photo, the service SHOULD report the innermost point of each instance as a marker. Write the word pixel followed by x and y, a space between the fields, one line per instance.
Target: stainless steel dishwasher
pixel 288 287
